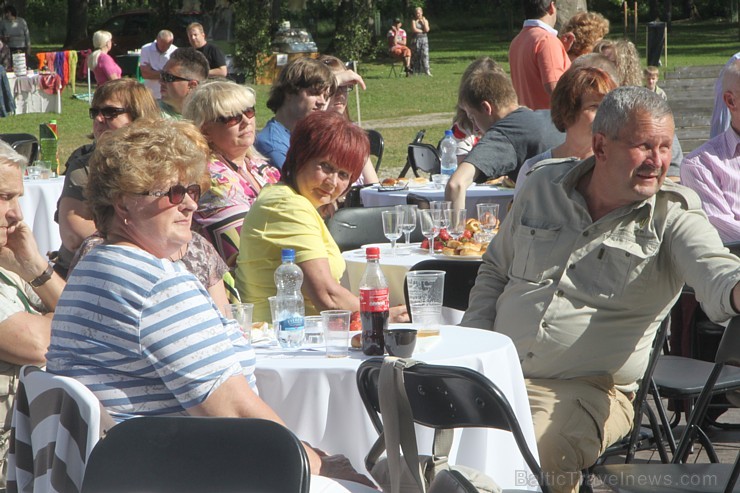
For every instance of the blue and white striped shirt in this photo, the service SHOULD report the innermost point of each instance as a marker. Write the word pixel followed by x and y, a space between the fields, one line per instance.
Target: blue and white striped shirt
pixel 143 334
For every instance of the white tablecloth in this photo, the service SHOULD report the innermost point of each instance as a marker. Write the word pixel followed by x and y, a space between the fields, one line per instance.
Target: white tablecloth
pixel 476 194
pixel 394 268
pixel 38 203
pixel 318 399
pixel 35 101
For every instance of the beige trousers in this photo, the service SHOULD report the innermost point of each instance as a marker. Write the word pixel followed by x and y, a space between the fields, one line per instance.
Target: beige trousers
pixel 574 422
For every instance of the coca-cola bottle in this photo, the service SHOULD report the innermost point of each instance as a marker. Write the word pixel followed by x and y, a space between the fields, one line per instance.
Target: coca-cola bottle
pixel 374 305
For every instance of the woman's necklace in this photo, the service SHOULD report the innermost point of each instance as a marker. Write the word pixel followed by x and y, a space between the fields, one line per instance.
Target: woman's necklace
pixel 180 253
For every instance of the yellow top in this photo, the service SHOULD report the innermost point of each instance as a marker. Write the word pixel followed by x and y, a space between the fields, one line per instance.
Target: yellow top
pixel 280 218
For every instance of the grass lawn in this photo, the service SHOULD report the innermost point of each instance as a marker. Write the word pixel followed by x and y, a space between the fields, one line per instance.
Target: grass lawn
pixel 690 43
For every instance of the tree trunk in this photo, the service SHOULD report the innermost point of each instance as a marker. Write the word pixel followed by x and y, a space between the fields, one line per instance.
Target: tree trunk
pixel 76 21
pixel 566 10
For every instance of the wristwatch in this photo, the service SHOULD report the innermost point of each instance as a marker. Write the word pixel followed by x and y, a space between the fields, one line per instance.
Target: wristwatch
pixel 45 276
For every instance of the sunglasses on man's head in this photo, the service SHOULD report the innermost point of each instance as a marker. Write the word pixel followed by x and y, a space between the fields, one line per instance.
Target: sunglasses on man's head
pixel 176 193
pixel 230 121
pixel 168 77
pixel 108 112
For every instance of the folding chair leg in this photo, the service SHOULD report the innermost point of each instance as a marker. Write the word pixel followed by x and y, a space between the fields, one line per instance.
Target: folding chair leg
pixel 667 427
pixel 406 169
pixel 657 436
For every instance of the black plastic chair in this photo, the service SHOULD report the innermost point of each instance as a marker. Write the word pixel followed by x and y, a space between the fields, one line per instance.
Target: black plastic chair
pixel 417 200
pixel 424 157
pixel 446 397
pixel 459 280
pixel 26 145
pixel 195 454
pixel 724 477
pixel 377 146
pixel 417 140
pixel 352 227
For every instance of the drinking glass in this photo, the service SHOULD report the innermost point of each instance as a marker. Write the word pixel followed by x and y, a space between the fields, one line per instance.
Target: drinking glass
pixel 429 221
pixel 408 220
pixel 457 223
pixel 442 206
pixel 392 228
pixel 488 218
pixel 242 313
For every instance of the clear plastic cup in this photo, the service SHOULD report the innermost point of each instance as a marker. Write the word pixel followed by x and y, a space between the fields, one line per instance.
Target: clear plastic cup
pixel 314 330
pixel 242 313
pixel 336 332
pixel 426 292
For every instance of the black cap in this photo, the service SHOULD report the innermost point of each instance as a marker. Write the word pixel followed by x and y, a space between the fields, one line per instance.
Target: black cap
pixel 397 20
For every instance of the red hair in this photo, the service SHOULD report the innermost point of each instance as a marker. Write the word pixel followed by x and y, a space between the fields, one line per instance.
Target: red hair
pixel 329 136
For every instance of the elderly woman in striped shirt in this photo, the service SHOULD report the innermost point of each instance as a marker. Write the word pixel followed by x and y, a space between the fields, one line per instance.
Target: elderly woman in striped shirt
pixel 136 328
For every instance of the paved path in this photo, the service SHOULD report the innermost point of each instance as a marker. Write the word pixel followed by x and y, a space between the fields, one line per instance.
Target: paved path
pixel 409 121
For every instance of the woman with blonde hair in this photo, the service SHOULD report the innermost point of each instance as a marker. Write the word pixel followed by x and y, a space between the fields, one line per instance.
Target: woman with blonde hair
pixel 100 62
pixel 623 54
pixel 224 112
pixel 582 32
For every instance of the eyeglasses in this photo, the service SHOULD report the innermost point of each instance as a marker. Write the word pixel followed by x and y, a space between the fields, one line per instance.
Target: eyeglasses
pixel 168 77
pixel 230 121
pixel 329 170
pixel 108 112
pixel 176 193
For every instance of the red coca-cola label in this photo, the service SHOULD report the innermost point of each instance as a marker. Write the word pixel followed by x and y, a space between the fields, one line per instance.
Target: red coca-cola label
pixel 374 300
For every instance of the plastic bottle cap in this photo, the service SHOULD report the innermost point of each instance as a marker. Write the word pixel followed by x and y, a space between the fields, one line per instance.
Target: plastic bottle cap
pixel 448 133
pixel 372 252
pixel 288 254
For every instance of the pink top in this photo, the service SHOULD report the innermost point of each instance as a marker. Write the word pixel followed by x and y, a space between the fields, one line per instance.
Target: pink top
pixel 713 172
pixel 106 68
pixel 536 57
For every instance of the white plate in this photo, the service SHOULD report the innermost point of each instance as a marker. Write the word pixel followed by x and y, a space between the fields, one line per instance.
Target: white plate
pixel 425 251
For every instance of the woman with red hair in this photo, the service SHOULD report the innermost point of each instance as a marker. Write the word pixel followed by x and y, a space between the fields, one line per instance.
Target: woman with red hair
pixel 326 155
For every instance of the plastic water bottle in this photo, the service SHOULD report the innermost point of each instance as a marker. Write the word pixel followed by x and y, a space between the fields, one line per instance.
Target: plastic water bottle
pixel 288 281
pixel 448 158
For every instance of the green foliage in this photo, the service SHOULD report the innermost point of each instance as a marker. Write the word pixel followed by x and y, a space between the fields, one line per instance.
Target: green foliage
pixel 353 38
pixel 252 34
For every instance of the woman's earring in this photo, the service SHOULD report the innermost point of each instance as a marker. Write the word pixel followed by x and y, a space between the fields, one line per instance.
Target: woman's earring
pixel 125 221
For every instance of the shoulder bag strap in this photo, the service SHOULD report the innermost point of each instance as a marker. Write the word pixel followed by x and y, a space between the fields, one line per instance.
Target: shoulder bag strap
pixel 398 424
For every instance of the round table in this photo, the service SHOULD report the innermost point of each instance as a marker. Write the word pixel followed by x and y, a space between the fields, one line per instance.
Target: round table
pixel 39 203
pixel 317 398
pixel 394 267
pixel 374 196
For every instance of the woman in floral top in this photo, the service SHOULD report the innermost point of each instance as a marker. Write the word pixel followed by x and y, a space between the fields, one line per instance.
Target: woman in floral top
pixel 224 112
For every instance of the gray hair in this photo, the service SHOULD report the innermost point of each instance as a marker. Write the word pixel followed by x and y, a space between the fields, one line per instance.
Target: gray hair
pixel 9 157
pixel 620 105
pixel 165 34
pixel 730 76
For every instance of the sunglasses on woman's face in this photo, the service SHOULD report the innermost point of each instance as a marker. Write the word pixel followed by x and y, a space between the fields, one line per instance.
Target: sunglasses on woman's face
pixel 176 193
pixel 230 121
pixel 108 112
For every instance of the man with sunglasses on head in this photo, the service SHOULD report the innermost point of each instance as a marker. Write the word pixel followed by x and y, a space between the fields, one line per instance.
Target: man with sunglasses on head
pixel 29 290
pixel 154 56
pixel 183 72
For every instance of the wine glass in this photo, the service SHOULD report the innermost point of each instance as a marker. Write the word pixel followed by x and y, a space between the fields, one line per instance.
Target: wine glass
pixel 488 218
pixel 408 220
pixel 392 228
pixel 457 223
pixel 443 206
pixel 429 221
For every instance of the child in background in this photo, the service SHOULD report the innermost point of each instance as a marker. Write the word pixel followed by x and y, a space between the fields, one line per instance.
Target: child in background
pixel 651 81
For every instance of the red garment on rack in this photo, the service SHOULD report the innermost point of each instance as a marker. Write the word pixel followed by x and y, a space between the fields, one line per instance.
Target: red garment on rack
pixel 50 83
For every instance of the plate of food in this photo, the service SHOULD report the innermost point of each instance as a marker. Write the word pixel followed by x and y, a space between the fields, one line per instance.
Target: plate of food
pixel 466 247
pixel 392 185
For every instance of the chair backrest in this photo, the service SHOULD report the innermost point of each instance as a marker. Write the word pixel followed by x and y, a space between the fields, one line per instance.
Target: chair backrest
pixel 55 425
pixel 459 280
pixel 406 167
pixel 353 227
pixel 445 397
pixel 424 157
pixel 195 454
pixel 417 200
pixel 27 145
pixel 377 146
